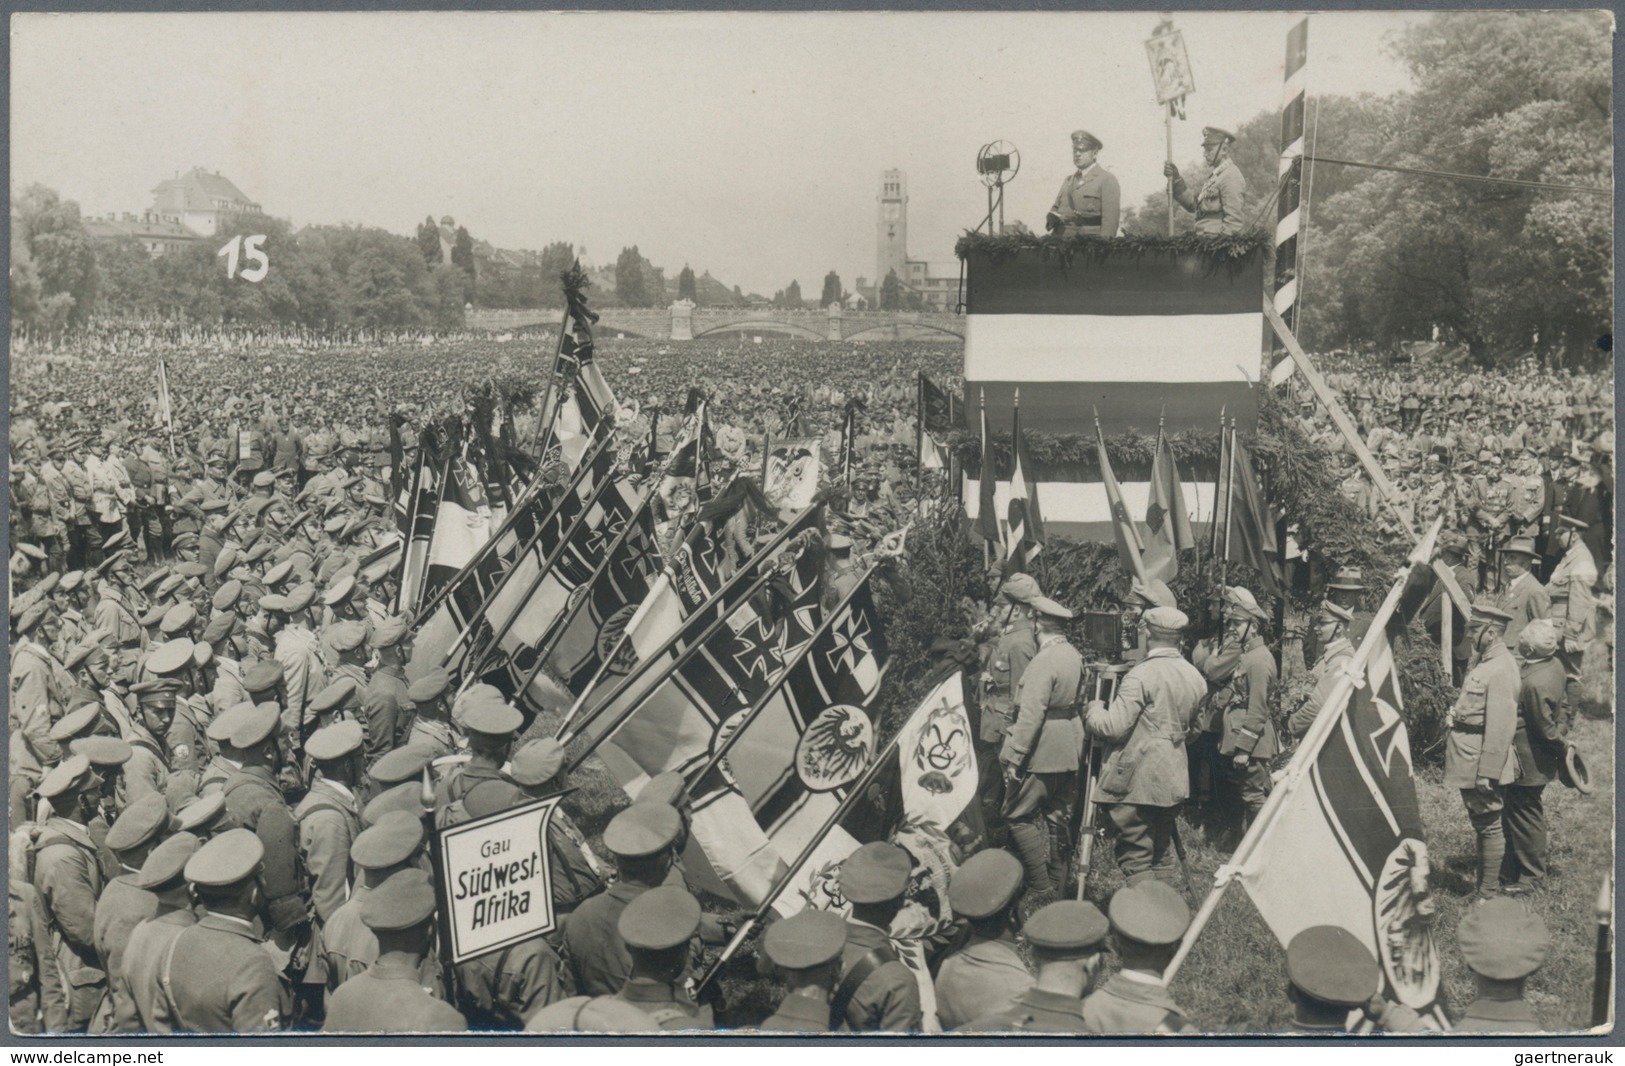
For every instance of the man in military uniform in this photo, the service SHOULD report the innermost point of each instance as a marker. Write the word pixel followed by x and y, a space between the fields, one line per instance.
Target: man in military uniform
pixel 304 673
pixel 658 928
pixel 1042 751
pixel 217 973
pixel 1089 201
pixel 389 997
pixel 123 905
pixel 36 704
pixel 877 991
pixel 1502 943
pixel 431 719
pixel 1347 589
pixel 1144 777
pixel 1479 756
pixel 1573 604
pixel 327 816
pixel 804 951
pixel 1068 941
pixel 1540 743
pixel 1331 975
pixel 386 708
pixel 392 844
pixel 1218 206
pixel 641 839
pixel 1249 741
pixel 1148 920
pixel 140 1003
pixel 491 724
pixel 68 878
pixel 988 970
pixel 1008 661
pixel 1523 596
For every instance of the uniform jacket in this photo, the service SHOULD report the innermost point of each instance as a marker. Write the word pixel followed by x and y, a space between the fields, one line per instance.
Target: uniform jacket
pixel 1046 735
pixel 31 968
pixel 592 943
pixel 502 989
pixel 1326 671
pixel 140 1005
pixel 254 801
pixel 68 879
pixel 390 998
pixel 349 945
pixel 1125 1004
pixel 977 978
pixel 303 674
pixel 386 712
pixel 1485 718
pixel 1526 599
pixel 1498 1016
pixel 1035 1011
pixel 1539 741
pixel 888 1000
pixel 223 979
pixel 120 909
pixel 1247 726
pixel 1013 651
pixel 35 706
pixel 1147 722
pixel 1092 194
pixel 1572 603
pixel 1218 205
pixel 668 1009
pixel 328 825
pixel 798 1014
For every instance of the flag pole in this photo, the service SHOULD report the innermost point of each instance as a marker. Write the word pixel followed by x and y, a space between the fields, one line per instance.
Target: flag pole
pixel 1136 560
pixel 1229 505
pixel 1350 677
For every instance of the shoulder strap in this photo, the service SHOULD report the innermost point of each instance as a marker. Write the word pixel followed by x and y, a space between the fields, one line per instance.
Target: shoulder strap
pixel 164 981
pixel 872 960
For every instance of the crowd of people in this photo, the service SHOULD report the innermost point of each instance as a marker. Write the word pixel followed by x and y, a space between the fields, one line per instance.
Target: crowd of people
pixel 223 784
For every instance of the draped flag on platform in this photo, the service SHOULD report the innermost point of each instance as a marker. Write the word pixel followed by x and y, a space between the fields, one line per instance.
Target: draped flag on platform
pixel 1166 516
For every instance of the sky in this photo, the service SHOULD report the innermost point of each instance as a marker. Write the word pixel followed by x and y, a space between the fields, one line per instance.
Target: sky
pixel 749 145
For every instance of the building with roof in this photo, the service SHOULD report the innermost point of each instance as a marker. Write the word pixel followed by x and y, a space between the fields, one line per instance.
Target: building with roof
pixel 940 292
pixel 156 233
pixel 201 200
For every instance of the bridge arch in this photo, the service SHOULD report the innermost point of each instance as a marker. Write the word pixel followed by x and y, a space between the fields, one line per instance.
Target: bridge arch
pixel 794 329
pixel 895 330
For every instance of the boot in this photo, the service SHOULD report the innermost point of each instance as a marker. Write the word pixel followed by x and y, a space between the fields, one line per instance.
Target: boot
pixel 1031 842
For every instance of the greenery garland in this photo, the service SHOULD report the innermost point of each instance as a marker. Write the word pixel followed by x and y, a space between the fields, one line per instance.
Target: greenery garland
pixel 1131 448
pixel 1229 252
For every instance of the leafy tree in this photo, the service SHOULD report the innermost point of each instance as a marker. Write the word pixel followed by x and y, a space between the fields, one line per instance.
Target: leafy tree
pixel 739 294
pixel 685 284
pixel 630 284
pixel 655 284
pixel 129 279
pixel 63 262
pixel 557 258
pixel 792 296
pixel 429 241
pixel 462 257
pixel 891 292
pixel 832 290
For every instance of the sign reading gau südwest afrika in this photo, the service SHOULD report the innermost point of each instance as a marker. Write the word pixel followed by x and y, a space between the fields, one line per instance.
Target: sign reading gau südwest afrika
pixel 494 881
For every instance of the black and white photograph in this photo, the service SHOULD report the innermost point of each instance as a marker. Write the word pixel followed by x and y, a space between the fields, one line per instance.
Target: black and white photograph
pixel 734 527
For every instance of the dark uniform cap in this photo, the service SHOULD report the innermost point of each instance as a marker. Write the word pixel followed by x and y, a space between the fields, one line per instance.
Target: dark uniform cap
pixel 808 938
pixel 1085 139
pixel 388 633
pixel 1328 609
pixel 1020 588
pixel 642 829
pixel 404 900
pixel 228 859
pixel 299 597
pixel 1215 135
pixel 103 752
pixel 170 657
pixel 492 716
pixel 75 723
pixel 1351 578
pixel 203 814
pixel 985 883
pixel 1151 912
pixel 875 873
pixel 335 741
pixel 389 841
pixel 263 676
pixel 1069 927
pixel 166 861
pixel 278 573
pixel 1502 940
pixel 139 822
pixel 256 726
pixel 346 636
pixel 406 796
pixel 660 918
pixel 430 686
pixel 1571 521
pixel 1049 608
pixel 219 628
pixel 667 787
pixel 1166 620
pixel 334 695
pixel 1328 963
pixel 1490 614
pixel 224 724
pixel 340 590
pixel 73 774
pixel 404 763
pixel 540 761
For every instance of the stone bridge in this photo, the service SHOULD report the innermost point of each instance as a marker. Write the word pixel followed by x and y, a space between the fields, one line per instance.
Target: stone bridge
pixel 683 321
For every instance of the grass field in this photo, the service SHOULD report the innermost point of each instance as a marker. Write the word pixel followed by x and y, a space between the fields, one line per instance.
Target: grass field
pixel 1234 979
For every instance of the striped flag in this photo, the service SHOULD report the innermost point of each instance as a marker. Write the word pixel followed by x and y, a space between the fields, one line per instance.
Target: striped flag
pixel 987 515
pixel 1250 536
pixel 1128 335
pixel 166 413
pixel 1025 536
pixel 462 520
pixel 1166 517
pixel 418 520
pixel 1130 549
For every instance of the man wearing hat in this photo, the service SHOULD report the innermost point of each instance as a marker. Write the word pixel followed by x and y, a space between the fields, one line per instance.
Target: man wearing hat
pixel 1013 650
pixel 1478 755
pixel 877 991
pixel 1541 744
pixel 1219 205
pixel 36 704
pixel 1144 777
pixel 218 974
pixel 386 706
pixel 641 838
pixel 1453 552
pixel 1523 596
pixel 1148 920
pixel 1240 675
pixel 1573 603
pixel 1346 588
pixel 1040 754
pixel 1068 942
pixel 327 816
pixel 1088 203
pixel 491 724
pixel 988 970
pixel 1332 634
pixel 303 672
pixel 124 904
pixel 392 844
pixel 254 801
pixel 388 996
pixel 804 951
pixel 68 879
pixel 1502 943
pixel 1331 975
pixel 140 1004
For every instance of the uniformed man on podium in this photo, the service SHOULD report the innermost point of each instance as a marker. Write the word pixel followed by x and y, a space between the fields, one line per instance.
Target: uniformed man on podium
pixel 1088 203
pixel 1218 203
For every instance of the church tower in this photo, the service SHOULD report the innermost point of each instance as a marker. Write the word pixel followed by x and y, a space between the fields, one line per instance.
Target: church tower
pixel 891 228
